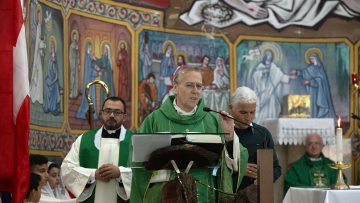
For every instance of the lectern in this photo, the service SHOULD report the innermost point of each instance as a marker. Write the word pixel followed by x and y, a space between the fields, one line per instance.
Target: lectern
pixel 265 176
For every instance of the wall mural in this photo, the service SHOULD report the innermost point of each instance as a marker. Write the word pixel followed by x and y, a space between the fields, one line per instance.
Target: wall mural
pixel 319 68
pixel 46 68
pixel 97 50
pixel 278 14
pixel 73 42
pixel 160 53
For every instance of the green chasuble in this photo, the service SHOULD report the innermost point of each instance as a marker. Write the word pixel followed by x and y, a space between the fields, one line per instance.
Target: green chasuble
pixel 307 173
pixel 89 155
pixel 166 119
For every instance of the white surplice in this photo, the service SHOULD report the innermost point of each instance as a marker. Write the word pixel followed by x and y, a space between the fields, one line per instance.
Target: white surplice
pixel 76 177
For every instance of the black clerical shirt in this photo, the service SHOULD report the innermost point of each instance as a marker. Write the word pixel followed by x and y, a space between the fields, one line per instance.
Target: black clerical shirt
pixel 253 139
pixel 106 134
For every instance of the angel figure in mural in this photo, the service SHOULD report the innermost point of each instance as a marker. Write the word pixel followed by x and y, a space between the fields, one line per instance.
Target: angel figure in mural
pixel 278 13
pixel 74 62
pixel 37 80
pixel 91 72
pixel 145 56
pixel 123 64
pixel 51 87
pixel 167 68
pixel 267 79
pixel 317 85
pixel 147 96
pixel 105 71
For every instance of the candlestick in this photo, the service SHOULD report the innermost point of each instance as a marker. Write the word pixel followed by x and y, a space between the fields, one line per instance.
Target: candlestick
pixel 339 142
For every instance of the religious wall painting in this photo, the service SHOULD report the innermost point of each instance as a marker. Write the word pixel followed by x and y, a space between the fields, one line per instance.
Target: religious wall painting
pixel 102 51
pixel 355 137
pixel 279 14
pixel 46 68
pixel 277 68
pixel 161 53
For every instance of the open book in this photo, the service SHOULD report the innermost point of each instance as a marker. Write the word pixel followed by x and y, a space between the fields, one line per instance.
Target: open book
pixel 199 138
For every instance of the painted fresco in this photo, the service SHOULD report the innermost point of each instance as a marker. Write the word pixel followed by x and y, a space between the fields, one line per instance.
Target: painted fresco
pixel 278 14
pixel 46 67
pixel 160 53
pixel 274 69
pixel 98 50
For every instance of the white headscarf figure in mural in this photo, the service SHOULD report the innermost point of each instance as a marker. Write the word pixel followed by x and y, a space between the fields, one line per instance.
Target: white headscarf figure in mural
pixel 317 85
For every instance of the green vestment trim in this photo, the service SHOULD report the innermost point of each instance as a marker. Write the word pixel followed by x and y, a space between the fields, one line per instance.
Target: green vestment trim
pixel 89 155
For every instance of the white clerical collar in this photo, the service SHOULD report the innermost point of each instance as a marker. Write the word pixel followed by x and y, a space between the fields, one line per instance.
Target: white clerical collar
pixel 182 112
pixel 111 131
pixel 315 159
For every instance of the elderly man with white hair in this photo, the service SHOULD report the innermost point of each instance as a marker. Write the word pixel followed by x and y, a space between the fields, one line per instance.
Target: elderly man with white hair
pixel 251 135
pixel 312 169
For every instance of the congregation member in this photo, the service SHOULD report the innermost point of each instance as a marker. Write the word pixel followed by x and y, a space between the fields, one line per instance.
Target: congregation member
pixel 242 107
pixel 38 165
pixel 55 187
pixel 312 169
pixel 34 190
pixel 95 169
pixel 183 113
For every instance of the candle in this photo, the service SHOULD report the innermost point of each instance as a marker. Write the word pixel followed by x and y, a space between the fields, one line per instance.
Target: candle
pixel 339 142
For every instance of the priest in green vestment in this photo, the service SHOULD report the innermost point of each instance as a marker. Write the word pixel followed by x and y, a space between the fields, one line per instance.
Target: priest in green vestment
pixel 183 113
pixel 95 169
pixel 312 169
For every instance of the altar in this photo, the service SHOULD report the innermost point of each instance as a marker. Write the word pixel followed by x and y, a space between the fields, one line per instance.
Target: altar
pixel 321 195
pixel 292 131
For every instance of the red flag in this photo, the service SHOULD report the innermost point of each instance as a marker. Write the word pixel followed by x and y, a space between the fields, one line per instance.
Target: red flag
pixel 15 102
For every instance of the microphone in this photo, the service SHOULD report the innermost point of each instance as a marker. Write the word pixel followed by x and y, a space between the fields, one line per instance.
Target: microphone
pixel 207 109
pixel 353 116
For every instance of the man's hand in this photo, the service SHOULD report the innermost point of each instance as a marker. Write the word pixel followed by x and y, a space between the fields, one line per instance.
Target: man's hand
pixel 107 172
pixel 251 170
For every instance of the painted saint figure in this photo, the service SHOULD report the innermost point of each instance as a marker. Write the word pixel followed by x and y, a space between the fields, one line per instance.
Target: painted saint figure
pixel 51 87
pixel 221 75
pixel 74 62
pixel 167 68
pixel 145 56
pixel 147 96
pixel 106 71
pixel 90 73
pixel 37 80
pixel 123 65
pixel 317 85
pixel 267 79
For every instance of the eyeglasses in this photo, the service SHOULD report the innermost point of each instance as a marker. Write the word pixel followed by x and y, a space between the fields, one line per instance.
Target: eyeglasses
pixel 116 112
pixel 193 86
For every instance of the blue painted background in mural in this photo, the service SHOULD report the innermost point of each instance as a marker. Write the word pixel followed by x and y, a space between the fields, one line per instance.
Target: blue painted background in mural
pixel 281 68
